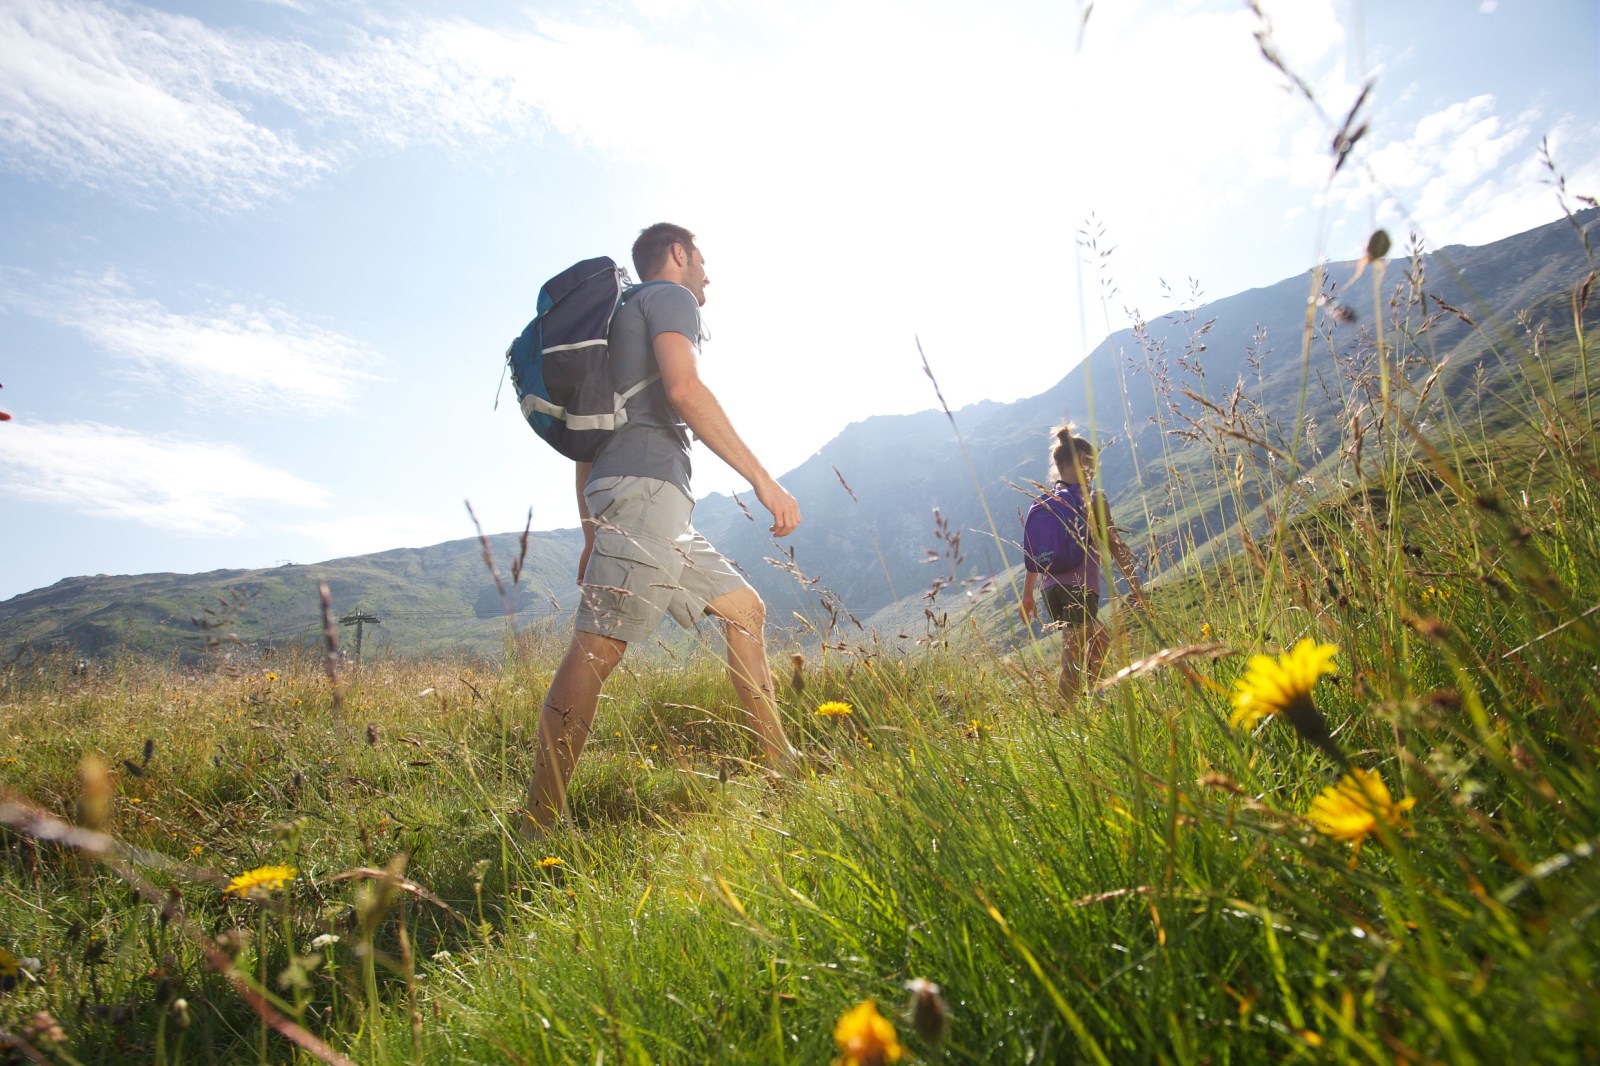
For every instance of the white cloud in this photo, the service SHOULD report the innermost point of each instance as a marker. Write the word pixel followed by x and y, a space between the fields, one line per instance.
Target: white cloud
pixel 1468 173
pixel 162 481
pixel 97 95
pixel 1005 111
pixel 161 106
pixel 231 357
pixel 666 10
pixel 164 104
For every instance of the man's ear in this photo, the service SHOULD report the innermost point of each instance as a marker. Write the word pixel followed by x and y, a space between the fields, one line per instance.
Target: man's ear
pixel 680 255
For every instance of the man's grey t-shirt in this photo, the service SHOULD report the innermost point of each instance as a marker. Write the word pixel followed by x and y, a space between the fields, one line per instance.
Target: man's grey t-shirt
pixel 655 441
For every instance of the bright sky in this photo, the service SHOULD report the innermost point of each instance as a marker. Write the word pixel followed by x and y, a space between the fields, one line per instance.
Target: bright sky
pixel 259 259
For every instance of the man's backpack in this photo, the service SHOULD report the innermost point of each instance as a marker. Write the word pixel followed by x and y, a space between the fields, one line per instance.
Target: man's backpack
pixel 561 364
pixel 1055 535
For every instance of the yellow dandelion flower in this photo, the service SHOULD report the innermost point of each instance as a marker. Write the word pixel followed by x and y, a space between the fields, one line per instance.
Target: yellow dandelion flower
pixel 269 676
pixel 1353 809
pixel 866 1037
pixel 10 969
pixel 548 861
pixel 1205 630
pixel 1281 685
pixel 264 878
pixel 833 709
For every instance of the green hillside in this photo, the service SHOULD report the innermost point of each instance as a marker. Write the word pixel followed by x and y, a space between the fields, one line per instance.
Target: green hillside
pixel 429 601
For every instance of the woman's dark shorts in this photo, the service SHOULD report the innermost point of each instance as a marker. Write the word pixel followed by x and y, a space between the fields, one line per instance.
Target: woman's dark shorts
pixel 1071 604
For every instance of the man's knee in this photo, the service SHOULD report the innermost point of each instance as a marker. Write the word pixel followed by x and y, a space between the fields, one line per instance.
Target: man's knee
pixel 743 608
pixel 598 646
pixel 591 653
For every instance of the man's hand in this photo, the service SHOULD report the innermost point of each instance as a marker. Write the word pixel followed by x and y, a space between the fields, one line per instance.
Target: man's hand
pixel 785 510
pixel 1026 604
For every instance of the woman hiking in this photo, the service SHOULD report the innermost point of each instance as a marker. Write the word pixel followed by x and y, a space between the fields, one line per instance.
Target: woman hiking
pixel 1062 538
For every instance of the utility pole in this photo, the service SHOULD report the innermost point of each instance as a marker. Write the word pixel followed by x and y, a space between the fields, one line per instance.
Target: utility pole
pixel 358 619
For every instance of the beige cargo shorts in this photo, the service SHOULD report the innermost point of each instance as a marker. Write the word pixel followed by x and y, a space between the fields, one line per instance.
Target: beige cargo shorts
pixel 648 560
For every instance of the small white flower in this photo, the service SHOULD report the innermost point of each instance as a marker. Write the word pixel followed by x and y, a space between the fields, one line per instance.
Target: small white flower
pixel 323 941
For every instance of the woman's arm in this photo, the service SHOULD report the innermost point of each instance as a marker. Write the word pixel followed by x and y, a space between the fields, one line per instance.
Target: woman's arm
pixel 1122 555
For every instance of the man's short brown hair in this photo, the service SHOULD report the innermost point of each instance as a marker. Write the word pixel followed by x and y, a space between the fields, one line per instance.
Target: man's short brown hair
pixel 654 243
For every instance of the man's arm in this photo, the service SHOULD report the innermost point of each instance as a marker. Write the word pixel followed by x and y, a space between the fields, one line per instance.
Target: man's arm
pixel 584 521
pixel 680 376
pixel 1029 609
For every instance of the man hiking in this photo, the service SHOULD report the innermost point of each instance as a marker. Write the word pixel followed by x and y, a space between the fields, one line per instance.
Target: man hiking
pixel 641 556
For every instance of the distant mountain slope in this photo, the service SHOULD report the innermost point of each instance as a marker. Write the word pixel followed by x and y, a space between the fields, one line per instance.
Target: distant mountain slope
pixel 434 600
pixel 875 545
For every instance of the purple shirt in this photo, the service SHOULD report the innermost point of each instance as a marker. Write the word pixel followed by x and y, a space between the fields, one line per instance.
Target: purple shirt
pixel 1087 573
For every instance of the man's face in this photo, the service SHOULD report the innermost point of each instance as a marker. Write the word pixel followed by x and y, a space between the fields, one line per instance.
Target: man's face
pixel 695 279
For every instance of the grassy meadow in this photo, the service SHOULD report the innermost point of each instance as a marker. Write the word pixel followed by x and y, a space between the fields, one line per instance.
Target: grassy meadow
pixel 264 861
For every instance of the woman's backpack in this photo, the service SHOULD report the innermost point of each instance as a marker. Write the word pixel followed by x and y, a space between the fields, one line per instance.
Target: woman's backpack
pixel 1055 534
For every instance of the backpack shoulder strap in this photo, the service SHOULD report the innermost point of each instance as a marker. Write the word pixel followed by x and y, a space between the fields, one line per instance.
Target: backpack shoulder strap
pixel 632 290
pixel 648 379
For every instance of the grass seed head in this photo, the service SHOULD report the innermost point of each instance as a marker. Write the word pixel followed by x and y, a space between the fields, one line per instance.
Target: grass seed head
pixel 929 1017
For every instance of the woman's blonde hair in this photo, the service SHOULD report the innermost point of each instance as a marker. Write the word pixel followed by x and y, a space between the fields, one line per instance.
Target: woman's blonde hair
pixel 1070 454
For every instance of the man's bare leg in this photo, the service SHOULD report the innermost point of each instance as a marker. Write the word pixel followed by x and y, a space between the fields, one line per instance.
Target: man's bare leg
pixel 744 621
pixel 564 723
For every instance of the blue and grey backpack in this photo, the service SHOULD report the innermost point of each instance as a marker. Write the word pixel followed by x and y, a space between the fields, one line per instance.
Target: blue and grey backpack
pixel 561 364
pixel 1055 535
